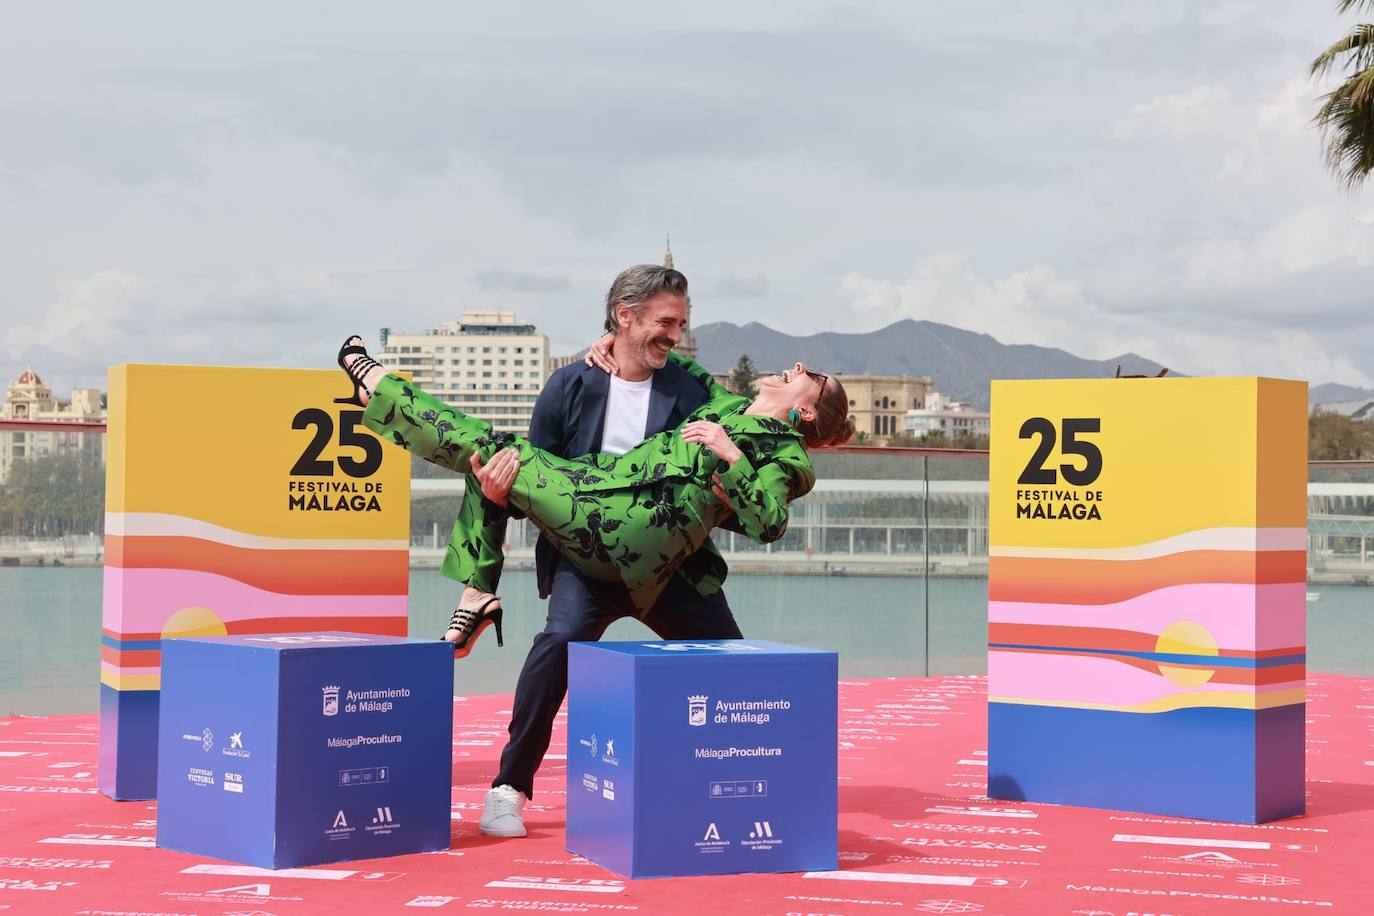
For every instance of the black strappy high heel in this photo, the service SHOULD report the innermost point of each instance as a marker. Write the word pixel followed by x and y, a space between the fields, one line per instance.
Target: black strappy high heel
pixel 470 625
pixel 358 370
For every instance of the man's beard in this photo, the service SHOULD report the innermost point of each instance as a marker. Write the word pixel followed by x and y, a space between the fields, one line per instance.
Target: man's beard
pixel 650 355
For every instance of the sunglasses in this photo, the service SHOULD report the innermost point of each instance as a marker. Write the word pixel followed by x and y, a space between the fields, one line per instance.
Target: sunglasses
pixel 818 376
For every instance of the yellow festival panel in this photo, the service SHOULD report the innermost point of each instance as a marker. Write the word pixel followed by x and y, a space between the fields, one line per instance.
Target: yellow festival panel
pixel 1182 457
pixel 238 501
pixel 1146 594
pixel 220 444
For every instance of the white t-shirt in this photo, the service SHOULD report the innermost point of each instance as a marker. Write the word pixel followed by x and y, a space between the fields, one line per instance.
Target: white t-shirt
pixel 627 414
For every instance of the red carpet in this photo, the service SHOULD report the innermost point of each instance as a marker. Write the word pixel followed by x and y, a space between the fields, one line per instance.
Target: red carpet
pixel 915 836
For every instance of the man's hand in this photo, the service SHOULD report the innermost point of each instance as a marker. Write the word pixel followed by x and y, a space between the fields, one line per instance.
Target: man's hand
pixel 599 354
pixel 714 437
pixel 497 475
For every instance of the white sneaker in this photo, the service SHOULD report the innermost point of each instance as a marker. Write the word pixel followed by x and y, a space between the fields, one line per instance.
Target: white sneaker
pixel 501 812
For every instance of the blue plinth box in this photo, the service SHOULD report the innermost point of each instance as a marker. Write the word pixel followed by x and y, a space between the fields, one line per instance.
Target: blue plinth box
pixel 285 750
pixel 705 758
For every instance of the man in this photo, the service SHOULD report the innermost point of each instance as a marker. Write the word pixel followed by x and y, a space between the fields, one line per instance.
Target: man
pixel 583 410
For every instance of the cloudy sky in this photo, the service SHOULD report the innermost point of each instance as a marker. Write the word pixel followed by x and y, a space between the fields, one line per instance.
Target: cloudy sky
pixel 246 183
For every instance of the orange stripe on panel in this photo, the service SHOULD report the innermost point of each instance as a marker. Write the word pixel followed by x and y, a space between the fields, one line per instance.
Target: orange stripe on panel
pixel 1056 581
pixel 141 658
pixel 288 572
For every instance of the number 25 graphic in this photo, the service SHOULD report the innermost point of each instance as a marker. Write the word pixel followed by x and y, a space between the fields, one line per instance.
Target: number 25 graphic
pixel 1073 427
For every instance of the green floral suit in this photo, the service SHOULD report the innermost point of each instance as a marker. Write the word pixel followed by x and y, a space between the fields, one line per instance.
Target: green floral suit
pixel 635 518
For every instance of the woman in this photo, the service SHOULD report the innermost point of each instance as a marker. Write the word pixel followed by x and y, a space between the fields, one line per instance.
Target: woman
pixel 632 518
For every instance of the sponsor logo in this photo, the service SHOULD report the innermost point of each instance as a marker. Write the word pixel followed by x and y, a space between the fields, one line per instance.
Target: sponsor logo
pixel 357 740
pixel 748 712
pixel 983 829
pixel 761 838
pixel 710 841
pixel 248 890
pixel 1198 895
pixel 429 900
pixel 726 753
pixel 1268 880
pixel 310 874
pixel 591 744
pixel 207 740
pixel 1219 844
pixel 583 885
pixel 730 646
pixel 608 789
pixel 299 640
pixel 331 700
pixel 45 863
pixel 24 884
pixel 948 906
pixel 383 824
pixel 973 844
pixel 696 710
pixel 340 829
pixel 200 776
pixel 100 839
pixel 754 788
pixel 590 782
pixel 983 811
pixel 364 776
pixel 233 782
pixel 609 756
pixel 888 877
pixel 236 748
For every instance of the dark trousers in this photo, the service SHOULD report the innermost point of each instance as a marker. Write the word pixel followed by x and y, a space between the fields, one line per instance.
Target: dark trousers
pixel 580 610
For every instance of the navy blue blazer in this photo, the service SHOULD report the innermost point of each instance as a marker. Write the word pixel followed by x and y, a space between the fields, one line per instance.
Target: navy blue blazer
pixel 569 420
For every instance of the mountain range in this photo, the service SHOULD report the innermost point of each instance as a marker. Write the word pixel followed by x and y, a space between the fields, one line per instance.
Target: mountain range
pixel 961 363
pixel 1331 393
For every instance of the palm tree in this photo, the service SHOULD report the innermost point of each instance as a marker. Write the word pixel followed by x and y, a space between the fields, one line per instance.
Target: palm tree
pixel 1346 118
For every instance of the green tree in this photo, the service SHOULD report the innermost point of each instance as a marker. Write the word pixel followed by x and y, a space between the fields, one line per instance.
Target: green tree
pixel 54 495
pixel 1346 116
pixel 1335 437
pixel 743 376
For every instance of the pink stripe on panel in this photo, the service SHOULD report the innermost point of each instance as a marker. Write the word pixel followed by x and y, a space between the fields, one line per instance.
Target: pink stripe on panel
pixel 1281 616
pixel 1065 678
pixel 151 596
pixel 1228 611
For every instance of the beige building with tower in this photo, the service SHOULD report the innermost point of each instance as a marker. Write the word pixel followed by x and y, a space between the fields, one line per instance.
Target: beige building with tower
pixel 488 364
pixel 878 403
pixel 30 398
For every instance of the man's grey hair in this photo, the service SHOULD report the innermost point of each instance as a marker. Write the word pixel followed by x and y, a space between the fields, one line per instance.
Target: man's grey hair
pixel 636 284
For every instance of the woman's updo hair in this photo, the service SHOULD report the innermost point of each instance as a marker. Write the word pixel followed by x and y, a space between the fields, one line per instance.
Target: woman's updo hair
pixel 833 424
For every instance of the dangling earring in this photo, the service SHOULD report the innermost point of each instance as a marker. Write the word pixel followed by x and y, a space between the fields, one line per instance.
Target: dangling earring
pixel 794 416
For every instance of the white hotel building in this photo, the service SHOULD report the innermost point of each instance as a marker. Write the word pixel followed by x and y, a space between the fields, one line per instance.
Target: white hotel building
pixel 941 415
pixel 488 364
